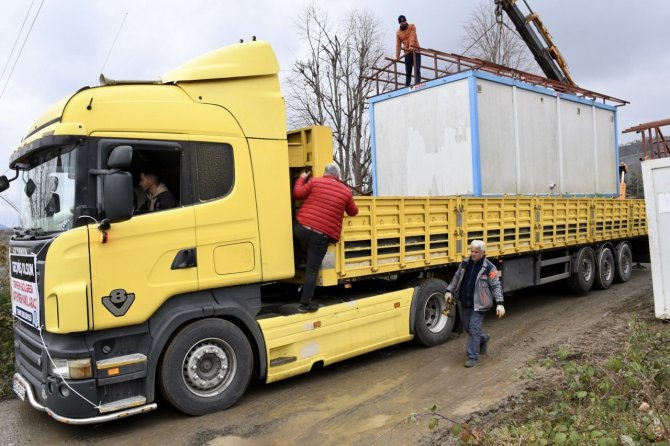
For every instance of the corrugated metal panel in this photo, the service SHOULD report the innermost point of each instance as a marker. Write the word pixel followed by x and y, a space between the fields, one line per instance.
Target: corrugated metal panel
pixel 538 143
pixel 577 140
pixel 607 163
pixel 497 138
pixel 422 142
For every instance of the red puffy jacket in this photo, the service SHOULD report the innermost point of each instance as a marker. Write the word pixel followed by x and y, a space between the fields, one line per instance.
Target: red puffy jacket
pixel 325 201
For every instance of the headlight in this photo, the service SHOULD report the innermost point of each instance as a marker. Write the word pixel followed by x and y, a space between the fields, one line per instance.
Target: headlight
pixel 72 368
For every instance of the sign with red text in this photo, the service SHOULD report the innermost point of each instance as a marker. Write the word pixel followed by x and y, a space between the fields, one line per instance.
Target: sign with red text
pixel 25 297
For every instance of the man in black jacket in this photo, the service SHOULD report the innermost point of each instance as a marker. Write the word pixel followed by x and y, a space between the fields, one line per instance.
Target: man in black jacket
pixel 159 197
pixel 477 287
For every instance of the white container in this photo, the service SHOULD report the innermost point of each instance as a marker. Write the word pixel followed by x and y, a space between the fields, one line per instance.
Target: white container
pixel 656 177
pixel 475 133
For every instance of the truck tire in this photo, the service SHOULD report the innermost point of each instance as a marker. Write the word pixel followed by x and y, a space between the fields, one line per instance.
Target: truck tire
pixel 623 262
pixel 605 268
pixel 431 326
pixel 583 270
pixel 206 367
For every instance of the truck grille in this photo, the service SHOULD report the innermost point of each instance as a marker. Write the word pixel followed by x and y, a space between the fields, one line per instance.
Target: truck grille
pixel 30 355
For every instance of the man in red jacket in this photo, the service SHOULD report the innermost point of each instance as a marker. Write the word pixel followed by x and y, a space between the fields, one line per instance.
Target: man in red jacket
pixel 319 222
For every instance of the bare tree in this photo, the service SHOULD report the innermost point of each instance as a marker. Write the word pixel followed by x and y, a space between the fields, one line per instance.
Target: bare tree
pixel 494 39
pixel 329 86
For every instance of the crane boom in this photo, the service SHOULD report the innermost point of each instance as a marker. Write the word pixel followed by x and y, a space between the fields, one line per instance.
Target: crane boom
pixel 539 42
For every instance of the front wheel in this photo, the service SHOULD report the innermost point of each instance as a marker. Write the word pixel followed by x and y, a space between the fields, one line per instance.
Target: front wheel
pixel 431 325
pixel 206 367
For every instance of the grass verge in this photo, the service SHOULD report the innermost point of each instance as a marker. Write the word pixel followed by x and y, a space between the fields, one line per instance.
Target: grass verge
pixel 622 398
pixel 6 332
pixel 6 345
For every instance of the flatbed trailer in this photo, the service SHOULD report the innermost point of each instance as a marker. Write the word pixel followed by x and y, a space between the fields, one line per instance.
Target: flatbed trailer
pixel 391 235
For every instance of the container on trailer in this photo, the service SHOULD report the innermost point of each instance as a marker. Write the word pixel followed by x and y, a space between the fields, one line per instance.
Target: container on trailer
pixel 476 133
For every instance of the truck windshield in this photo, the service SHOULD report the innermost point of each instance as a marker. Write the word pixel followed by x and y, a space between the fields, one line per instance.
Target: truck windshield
pixel 48 195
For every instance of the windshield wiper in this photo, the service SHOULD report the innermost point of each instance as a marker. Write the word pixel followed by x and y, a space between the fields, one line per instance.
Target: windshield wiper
pixel 29 232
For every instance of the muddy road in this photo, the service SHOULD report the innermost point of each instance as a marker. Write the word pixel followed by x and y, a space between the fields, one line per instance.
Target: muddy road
pixel 367 400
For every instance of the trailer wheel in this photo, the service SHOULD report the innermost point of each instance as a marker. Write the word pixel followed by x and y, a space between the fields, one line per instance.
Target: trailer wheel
pixel 605 264
pixel 623 262
pixel 583 270
pixel 206 367
pixel 431 325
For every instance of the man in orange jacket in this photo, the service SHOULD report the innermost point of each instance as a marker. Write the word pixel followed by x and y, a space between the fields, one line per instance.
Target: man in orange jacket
pixel 406 40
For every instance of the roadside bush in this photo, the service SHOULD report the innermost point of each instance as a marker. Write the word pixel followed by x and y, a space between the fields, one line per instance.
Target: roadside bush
pixel 622 400
pixel 6 335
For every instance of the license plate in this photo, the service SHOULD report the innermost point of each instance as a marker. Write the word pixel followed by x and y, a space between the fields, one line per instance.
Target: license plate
pixel 19 389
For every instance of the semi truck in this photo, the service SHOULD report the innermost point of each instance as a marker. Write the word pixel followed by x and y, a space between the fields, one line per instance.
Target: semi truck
pixel 113 306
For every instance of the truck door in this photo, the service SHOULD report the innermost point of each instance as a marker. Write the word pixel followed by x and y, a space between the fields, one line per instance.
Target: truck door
pixel 148 259
pixel 226 218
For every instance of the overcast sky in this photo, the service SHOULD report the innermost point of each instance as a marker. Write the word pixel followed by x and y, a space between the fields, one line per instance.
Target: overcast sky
pixel 615 47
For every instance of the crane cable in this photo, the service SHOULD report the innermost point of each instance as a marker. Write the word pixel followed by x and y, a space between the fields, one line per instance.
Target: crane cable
pixel 21 49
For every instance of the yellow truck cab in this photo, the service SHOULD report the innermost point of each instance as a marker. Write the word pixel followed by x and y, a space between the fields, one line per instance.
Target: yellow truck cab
pixel 123 302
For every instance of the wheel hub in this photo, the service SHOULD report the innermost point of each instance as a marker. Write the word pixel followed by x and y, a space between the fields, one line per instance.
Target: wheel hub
pixel 208 367
pixel 432 313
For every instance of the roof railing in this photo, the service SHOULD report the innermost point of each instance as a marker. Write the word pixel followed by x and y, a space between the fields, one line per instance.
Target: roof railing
pixel 654 143
pixel 437 64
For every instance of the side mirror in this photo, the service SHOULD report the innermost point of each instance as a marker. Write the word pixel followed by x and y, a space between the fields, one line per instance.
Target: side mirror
pixel 117 194
pixel 4 183
pixel 120 158
pixel 30 188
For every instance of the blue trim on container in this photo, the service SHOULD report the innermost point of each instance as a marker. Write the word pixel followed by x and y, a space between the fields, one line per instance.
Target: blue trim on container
pixel 373 149
pixel 429 84
pixel 474 136
pixel 616 149
pixel 538 89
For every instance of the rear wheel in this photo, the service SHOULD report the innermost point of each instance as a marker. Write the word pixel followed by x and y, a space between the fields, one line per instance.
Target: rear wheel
pixel 623 262
pixel 431 325
pixel 583 270
pixel 605 264
pixel 206 367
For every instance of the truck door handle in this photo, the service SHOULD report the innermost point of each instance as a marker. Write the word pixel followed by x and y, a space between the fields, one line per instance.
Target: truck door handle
pixel 185 259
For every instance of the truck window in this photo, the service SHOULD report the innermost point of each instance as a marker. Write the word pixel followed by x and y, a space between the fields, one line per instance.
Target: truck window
pixel 215 170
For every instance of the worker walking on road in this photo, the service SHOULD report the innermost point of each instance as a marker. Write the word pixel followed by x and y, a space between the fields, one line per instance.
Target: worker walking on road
pixel 320 222
pixel 476 287
pixel 406 40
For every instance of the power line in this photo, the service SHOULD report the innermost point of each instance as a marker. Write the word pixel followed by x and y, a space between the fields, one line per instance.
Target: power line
pixel 10 203
pixel 21 50
pixel 4 69
pixel 113 43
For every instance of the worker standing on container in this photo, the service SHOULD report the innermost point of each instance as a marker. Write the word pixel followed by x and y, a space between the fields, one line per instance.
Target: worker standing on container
pixel 406 40
pixel 476 286
pixel 319 222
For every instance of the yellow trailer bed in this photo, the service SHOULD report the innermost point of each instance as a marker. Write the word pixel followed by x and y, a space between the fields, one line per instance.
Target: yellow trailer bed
pixel 396 234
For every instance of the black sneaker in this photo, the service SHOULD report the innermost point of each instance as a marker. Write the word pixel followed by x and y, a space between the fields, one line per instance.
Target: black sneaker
pixel 307 308
pixel 470 363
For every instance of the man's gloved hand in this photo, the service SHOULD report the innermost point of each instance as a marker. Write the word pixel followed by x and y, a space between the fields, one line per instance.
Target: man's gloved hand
pixel 500 311
pixel 449 298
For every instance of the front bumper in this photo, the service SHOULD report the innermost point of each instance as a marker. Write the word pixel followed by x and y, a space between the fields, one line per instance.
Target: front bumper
pixel 24 389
